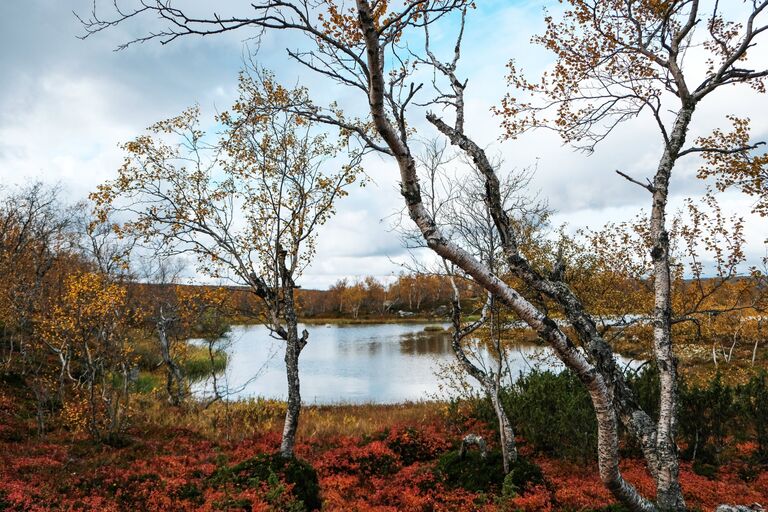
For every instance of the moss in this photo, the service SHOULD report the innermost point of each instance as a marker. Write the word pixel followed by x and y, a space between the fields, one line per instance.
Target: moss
pixel 522 475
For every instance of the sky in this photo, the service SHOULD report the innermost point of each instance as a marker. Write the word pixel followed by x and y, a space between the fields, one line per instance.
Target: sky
pixel 66 104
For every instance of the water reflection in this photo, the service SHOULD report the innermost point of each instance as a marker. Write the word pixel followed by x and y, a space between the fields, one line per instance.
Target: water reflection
pixel 425 342
pixel 383 363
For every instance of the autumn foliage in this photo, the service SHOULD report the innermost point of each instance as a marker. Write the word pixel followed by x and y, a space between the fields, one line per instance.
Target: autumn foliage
pixel 395 469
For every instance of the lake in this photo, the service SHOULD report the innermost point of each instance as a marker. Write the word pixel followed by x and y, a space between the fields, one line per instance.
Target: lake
pixel 376 363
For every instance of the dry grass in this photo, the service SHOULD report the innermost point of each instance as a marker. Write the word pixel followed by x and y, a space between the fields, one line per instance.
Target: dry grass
pixel 362 420
pixel 247 418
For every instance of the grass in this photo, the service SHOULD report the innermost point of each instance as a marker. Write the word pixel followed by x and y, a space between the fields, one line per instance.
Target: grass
pixel 198 365
pixel 247 418
pixel 365 419
pixel 148 382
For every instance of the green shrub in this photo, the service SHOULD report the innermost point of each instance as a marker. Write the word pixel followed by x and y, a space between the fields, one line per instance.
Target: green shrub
pixel 472 471
pixel 645 384
pixel 753 405
pixel 553 413
pixel 270 468
pixel 508 487
pixel 522 475
pixel 197 365
pixel 191 492
pixel 547 408
pixel 707 416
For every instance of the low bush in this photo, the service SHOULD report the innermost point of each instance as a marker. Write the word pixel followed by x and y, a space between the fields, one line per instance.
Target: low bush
pixel 753 405
pixel 371 459
pixel 414 445
pixel 523 474
pixel 471 472
pixel 271 469
pixel 707 416
pixel 547 408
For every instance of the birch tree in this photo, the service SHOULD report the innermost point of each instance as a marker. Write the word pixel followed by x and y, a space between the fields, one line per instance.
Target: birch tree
pixel 248 206
pixel 91 323
pixel 362 46
pixel 454 196
pixel 617 60
pixel 164 315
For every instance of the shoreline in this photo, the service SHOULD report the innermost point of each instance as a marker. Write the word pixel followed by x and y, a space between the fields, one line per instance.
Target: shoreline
pixel 352 321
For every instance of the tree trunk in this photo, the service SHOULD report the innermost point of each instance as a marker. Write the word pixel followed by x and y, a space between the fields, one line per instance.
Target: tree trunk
pixel 173 371
pixel 293 348
pixel 506 433
pixel 294 397
pixel 669 495
pixel 598 387
pixel 490 383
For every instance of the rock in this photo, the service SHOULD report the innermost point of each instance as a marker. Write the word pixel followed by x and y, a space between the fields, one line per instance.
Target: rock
pixel 755 507
pixel 473 440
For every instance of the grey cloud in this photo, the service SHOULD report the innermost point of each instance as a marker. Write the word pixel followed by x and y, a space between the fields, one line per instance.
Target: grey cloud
pixel 65 104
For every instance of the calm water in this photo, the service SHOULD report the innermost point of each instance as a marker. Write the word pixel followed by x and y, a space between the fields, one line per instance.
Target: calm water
pixel 382 363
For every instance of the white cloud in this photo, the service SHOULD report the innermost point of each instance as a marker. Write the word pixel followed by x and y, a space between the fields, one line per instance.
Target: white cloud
pixel 65 104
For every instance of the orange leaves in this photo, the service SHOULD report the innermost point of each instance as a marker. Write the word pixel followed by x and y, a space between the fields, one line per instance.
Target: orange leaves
pixel 89 303
pixel 340 23
pixel 537 499
pixel 735 162
pixel 88 328
pixel 271 166
pixel 616 59
pixel 175 469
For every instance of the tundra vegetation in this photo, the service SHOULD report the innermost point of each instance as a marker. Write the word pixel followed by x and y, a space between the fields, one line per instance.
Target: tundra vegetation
pixel 96 407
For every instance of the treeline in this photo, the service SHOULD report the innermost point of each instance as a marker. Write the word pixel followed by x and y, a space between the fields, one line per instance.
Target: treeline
pixel 408 295
pixel 84 322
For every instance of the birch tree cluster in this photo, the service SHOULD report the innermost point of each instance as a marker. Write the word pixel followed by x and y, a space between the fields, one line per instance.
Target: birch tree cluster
pixel 614 61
